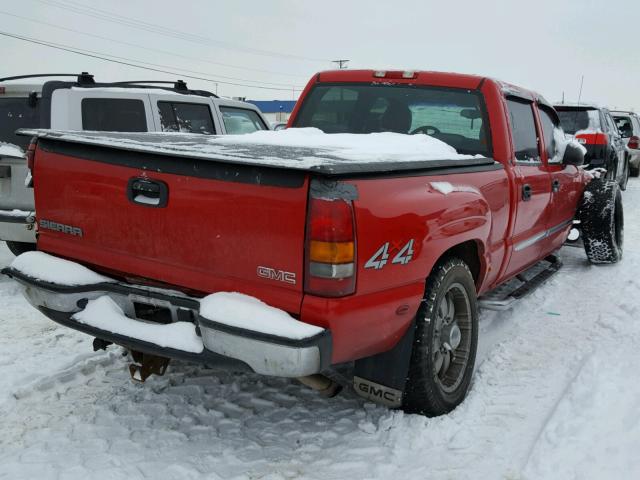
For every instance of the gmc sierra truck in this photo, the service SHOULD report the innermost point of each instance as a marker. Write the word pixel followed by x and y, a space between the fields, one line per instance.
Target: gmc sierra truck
pixel 293 252
pixel 84 104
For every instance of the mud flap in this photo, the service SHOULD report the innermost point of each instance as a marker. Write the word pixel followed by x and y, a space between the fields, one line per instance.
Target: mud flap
pixel 382 378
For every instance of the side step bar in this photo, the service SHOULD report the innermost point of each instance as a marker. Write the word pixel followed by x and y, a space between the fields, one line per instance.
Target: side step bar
pixel 504 296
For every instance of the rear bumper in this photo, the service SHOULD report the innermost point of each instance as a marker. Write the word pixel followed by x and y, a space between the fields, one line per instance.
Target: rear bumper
pixel 263 353
pixel 17 226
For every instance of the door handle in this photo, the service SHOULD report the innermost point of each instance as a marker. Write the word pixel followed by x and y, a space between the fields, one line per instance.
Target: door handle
pixel 526 192
pixel 147 192
pixel 555 185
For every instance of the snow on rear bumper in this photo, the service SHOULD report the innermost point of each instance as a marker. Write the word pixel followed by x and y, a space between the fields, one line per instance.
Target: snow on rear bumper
pixel 74 306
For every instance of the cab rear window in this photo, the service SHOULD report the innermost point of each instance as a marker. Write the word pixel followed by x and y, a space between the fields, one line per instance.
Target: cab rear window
pixel 113 115
pixel 454 116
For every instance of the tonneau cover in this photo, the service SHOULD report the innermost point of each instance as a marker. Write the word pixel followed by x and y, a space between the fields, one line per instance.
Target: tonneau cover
pixel 237 150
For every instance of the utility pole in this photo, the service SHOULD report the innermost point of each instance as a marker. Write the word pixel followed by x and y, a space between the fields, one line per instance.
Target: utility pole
pixel 341 63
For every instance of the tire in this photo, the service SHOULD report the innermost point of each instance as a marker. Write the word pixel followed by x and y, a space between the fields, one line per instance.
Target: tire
pixel 634 171
pixel 625 176
pixel 602 221
pixel 18 248
pixel 436 384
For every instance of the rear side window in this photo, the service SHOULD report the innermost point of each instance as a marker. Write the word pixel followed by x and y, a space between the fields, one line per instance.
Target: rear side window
pixel 113 115
pixel 186 118
pixel 525 138
pixel 624 125
pixel 241 120
pixel 17 113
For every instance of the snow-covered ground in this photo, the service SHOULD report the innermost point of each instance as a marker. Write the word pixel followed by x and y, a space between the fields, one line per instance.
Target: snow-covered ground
pixel 556 395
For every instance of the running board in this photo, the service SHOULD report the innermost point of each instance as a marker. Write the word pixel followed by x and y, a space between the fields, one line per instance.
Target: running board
pixel 504 296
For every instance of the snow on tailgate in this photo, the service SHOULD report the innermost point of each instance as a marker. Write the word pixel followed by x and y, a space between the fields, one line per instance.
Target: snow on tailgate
pixel 10 150
pixel 297 148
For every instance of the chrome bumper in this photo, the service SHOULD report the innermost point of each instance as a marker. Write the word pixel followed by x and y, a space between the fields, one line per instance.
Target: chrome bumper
pixel 17 227
pixel 263 353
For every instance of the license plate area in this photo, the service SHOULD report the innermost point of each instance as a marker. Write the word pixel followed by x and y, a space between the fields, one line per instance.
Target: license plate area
pixel 159 311
pixel 152 313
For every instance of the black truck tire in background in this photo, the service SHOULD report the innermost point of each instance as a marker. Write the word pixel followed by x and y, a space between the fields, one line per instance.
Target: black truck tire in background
pixel 602 221
pixel 18 248
pixel 431 389
pixel 634 171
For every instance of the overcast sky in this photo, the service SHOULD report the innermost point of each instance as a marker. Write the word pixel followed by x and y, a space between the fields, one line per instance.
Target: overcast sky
pixel 545 45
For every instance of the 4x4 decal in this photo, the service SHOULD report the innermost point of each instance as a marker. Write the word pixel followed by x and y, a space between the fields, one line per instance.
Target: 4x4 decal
pixel 381 257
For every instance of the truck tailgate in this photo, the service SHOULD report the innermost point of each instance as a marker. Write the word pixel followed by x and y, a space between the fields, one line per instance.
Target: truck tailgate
pixel 198 225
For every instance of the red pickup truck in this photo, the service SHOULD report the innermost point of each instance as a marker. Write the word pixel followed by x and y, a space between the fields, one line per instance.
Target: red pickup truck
pixel 291 258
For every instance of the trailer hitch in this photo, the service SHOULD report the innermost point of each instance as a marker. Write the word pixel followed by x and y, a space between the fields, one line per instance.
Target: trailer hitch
pixel 146 365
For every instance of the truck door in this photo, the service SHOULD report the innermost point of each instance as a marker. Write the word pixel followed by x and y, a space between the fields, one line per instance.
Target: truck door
pixel 533 188
pixel 566 187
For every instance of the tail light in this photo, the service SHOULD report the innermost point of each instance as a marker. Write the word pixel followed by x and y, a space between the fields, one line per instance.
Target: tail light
pixel 31 153
pixel 634 143
pixel 330 248
pixel 31 159
pixel 592 138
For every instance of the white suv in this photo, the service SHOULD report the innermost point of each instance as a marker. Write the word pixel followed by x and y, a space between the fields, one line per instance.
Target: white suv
pixel 83 104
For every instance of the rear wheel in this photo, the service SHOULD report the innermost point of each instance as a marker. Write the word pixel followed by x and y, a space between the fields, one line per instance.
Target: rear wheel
pixel 446 340
pixel 18 248
pixel 602 221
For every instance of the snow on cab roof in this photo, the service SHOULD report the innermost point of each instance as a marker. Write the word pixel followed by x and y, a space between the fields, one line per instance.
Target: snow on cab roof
pixel 304 149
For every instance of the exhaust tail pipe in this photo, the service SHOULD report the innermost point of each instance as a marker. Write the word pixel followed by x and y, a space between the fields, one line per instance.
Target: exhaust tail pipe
pixel 322 384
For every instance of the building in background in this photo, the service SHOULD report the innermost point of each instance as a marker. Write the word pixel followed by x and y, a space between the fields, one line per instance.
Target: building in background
pixel 276 111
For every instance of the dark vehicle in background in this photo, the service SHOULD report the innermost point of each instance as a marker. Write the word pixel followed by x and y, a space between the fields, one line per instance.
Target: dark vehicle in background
pixel 595 129
pixel 628 124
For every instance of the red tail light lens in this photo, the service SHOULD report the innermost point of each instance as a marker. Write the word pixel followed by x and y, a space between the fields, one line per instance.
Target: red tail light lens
pixel 634 143
pixel 31 153
pixel 592 138
pixel 330 249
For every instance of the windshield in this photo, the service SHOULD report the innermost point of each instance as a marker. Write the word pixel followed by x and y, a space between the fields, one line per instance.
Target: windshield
pixel 454 116
pixel 624 125
pixel 575 119
pixel 16 113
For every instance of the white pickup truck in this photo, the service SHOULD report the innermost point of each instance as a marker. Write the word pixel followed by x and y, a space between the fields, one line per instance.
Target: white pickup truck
pixel 83 104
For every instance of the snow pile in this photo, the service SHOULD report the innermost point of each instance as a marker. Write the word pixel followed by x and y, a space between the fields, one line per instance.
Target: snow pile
pixel 105 314
pixel 243 311
pixel 350 146
pixel 10 150
pixel 446 188
pixel 48 268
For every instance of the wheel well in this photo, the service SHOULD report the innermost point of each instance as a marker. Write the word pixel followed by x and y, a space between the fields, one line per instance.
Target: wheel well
pixel 469 253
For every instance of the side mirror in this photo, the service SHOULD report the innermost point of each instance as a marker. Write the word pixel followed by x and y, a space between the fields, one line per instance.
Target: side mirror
pixel 573 155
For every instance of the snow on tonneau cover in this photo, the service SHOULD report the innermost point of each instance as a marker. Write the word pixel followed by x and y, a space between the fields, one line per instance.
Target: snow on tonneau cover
pixel 208 213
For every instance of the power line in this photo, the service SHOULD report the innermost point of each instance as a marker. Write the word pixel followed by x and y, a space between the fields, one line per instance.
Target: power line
pixel 59 27
pixel 103 56
pixel 105 15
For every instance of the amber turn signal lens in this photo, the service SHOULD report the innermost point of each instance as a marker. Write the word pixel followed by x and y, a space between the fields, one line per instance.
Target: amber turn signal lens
pixel 331 252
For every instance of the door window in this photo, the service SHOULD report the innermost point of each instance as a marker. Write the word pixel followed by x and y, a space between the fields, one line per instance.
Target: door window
pixel 186 118
pixel 241 120
pixel 525 138
pixel 551 131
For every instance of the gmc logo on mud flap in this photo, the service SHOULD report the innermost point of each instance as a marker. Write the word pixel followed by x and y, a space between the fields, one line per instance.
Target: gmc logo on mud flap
pixel 277 275
pixel 378 393
pixel 60 227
